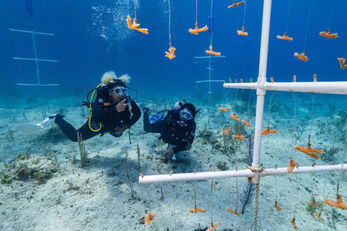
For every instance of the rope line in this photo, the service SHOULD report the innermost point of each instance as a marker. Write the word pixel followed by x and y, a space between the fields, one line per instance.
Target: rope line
pixel 288 14
pixel 294 128
pixel 332 13
pixel 307 24
pixel 244 13
pixel 134 8
pixel 169 22
pixel 211 29
pixel 196 13
pixel 256 206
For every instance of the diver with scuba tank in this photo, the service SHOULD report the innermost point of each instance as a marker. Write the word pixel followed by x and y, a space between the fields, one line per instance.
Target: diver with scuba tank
pixel 113 111
pixel 176 127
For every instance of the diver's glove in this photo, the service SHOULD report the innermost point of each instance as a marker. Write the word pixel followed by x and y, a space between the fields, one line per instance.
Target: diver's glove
pixel 119 130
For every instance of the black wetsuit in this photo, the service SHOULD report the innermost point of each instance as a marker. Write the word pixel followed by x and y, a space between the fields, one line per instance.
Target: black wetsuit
pixel 172 130
pixel 107 116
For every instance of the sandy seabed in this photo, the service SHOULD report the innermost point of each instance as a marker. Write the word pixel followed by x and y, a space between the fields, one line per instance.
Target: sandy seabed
pixel 106 195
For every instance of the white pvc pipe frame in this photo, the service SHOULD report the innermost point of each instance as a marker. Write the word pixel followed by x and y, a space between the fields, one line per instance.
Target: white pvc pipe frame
pixel 262 86
pixel 236 173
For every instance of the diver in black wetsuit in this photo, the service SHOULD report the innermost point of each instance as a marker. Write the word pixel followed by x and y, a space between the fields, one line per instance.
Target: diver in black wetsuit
pixel 176 127
pixel 112 112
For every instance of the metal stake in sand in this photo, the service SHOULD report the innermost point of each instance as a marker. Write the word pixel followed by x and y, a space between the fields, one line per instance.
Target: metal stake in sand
pixel 36 59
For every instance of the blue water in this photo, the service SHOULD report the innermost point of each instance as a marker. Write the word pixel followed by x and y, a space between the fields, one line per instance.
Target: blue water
pixel 91 37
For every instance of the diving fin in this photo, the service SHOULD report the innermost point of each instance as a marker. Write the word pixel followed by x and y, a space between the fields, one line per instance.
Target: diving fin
pixel 32 128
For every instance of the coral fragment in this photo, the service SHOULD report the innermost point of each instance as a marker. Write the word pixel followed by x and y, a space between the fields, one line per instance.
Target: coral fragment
pixel 149 217
pixel 135 25
pixel 301 56
pixel 211 52
pixel 338 204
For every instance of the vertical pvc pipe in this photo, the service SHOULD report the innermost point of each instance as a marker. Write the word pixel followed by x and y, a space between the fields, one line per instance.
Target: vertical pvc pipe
pixel 36 59
pixel 264 47
pixel 209 75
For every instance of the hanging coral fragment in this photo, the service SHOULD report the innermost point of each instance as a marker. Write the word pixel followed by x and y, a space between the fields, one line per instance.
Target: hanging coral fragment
pixel 328 34
pixel 239 137
pixel 197 30
pixel 285 37
pixel 242 32
pixel 226 131
pixel 236 4
pixel 342 62
pixel 235 117
pixel 338 204
pixel 224 109
pixel 197 210
pixel 267 131
pixel 310 151
pixel 211 52
pixel 171 54
pixel 233 212
pixel 246 123
pixel 301 56
pixel 213 226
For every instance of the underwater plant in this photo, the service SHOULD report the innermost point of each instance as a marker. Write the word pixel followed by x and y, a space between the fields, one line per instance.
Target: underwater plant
pixel 83 152
pixel 248 191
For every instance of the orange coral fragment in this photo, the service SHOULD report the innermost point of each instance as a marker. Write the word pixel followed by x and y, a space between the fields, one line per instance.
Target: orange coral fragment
pixel 246 123
pixel 236 4
pixel 234 212
pixel 328 35
pixel 338 204
pixel 214 226
pixel 226 131
pixel 292 164
pixel 242 32
pixel 318 216
pixel 211 52
pixel 197 210
pixel 309 151
pixel 136 26
pixel 293 224
pixel 171 54
pixel 239 137
pixel 278 208
pixel 197 30
pixel 149 217
pixel 267 131
pixel 224 109
pixel 284 37
pixel 314 204
pixel 301 56
pixel 342 62
pixel 235 117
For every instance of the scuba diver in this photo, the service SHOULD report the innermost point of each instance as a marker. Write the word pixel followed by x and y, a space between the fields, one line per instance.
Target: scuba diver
pixel 113 111
pixel 176 127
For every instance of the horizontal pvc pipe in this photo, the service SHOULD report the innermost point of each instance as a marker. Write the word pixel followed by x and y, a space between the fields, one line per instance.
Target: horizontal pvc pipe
pixel 312 87
pixel 33 59
pixel 38 85
pixel 210 81
pixel 31 32
pixel 234 173
pixel 207 57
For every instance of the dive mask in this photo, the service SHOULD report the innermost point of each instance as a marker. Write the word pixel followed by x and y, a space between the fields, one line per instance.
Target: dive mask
pixel 186 115
pixel 121 91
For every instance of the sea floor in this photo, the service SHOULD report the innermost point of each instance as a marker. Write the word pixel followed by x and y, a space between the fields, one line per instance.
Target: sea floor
pixel 105 194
